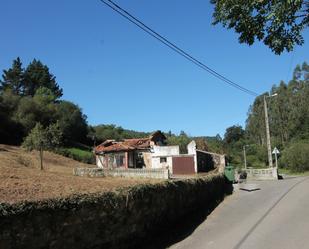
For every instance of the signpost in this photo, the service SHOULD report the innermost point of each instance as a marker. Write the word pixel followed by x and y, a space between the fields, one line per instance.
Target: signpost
pixel 276 152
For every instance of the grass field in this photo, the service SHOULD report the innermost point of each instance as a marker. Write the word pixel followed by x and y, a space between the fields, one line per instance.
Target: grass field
pixel 22 180
pixel 80 154
pixel 289 172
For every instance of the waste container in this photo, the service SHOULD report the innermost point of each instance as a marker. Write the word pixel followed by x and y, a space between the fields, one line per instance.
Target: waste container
pixel 229 173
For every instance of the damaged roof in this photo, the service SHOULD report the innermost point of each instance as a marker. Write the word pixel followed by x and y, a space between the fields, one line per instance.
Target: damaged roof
pixel 109 146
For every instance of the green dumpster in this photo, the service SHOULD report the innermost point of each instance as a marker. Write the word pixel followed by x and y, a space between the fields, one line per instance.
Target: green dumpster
pixel 229 173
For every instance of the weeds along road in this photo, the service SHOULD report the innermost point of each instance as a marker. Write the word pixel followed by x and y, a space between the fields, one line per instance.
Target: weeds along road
pixel 276 216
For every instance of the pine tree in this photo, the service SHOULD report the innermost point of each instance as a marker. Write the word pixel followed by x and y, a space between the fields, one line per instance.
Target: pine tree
pixel 37 75
pixel 13 78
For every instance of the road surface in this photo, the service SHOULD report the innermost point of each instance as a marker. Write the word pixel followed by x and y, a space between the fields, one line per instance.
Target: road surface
pixel 276 216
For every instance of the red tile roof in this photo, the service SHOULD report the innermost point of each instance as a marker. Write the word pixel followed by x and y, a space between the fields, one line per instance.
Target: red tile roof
pixel 126 145
pixel 129 144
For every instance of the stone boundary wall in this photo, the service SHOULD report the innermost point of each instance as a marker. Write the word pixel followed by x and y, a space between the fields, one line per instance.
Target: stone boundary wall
pixel 262 174
pixel 141 173
pixel 120 219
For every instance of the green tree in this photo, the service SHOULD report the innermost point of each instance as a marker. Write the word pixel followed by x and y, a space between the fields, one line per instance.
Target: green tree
pixel 288 114
pixel 37 109
pixel 37 75
pixel 41 138
pixel 11 132
pixel 44 96
pixel 295 157
pixel 111 131
pixel 255 123
pixel 27 114
pixel 279 24
pixel 72 122
pixel 182 140
pixel 13 78
pixel 48 138
pixel 216 144
pixel 233 134
pixel 31 96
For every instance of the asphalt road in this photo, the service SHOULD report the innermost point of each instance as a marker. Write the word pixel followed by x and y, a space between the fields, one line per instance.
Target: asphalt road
pixel 276 216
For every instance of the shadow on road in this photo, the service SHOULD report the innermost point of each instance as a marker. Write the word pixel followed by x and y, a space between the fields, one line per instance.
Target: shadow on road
pixel 172 234
pixel 181 229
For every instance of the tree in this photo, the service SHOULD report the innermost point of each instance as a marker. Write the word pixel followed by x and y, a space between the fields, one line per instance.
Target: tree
pixel 11 132
pixel 37 75
pixel 44 96
pixel 201 144
pixel 25 82
pixel 233 134
pixel 182 140
pixel 31 96
pixel 37 109
pixel 27 114
pixel 288 115
pixel 13 78
pixel 255 123
pixel 295 157
pixel 72 122
pixel 215 144
pixel 41 138
pixel 111 131
pixel 278 24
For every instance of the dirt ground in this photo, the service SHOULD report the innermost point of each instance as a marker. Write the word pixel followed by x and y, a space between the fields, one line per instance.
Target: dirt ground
pixel 21 178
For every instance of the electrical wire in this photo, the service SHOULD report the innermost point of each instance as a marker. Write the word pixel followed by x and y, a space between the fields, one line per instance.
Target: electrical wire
pixel 174 47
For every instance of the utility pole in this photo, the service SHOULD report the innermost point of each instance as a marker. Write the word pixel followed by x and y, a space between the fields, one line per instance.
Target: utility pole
pixel 270 158
pixel 245 158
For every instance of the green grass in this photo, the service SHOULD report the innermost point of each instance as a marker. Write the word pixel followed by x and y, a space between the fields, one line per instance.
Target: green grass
pixel 289 172
pixel 78 154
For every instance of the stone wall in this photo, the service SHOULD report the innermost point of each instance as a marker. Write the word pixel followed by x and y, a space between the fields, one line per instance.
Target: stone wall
pixel 119 172
pixel 119 219
pixel 262 174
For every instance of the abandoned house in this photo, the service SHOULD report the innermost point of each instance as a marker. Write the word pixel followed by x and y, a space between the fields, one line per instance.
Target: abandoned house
pixel 153 153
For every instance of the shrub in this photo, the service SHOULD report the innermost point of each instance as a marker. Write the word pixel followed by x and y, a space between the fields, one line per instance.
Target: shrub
pixel 296 157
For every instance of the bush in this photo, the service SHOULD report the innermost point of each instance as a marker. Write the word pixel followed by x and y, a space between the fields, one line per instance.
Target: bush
pixel 296 157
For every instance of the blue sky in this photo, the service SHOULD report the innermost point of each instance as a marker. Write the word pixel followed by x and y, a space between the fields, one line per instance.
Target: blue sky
pixel 118 74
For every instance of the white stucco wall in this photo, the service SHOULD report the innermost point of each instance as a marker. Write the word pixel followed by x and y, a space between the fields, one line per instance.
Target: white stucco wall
pixel 191 147
pixel 99 160
pixel 164 151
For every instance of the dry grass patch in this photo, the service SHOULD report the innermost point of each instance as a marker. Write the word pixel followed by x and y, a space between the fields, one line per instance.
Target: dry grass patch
pixel 21 179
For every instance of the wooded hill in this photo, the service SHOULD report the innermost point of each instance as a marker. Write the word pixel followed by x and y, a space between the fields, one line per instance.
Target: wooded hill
pixel 288 113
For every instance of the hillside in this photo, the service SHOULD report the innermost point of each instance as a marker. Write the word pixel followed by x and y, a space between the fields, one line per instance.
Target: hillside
pixel 21 179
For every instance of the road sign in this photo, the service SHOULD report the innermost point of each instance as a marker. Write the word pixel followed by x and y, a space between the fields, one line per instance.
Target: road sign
pixel 276 151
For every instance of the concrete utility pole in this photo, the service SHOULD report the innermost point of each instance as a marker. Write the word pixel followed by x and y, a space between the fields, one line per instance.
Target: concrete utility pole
pixel 270 158
pixel 245 157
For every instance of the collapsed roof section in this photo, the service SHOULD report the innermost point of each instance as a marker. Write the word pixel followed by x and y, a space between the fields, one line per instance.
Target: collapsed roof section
pixel 110 146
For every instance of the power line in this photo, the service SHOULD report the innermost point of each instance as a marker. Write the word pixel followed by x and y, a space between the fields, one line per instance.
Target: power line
pixel 174 47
